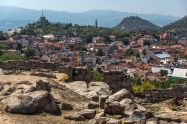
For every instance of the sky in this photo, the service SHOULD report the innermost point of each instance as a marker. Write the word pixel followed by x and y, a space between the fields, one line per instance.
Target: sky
pixel 164 7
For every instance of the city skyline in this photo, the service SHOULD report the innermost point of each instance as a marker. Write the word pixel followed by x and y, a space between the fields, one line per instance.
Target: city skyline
pixel 166 7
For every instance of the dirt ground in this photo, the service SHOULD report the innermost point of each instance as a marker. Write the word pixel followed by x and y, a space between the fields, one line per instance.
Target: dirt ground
pixel 42 117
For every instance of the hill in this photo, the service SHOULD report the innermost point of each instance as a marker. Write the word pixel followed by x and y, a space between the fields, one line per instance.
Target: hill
pixel 135 23
pixel 180 27
pixel 106 18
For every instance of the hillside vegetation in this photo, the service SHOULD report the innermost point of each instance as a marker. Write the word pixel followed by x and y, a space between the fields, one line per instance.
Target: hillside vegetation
pixel 180 27
pixel 135 23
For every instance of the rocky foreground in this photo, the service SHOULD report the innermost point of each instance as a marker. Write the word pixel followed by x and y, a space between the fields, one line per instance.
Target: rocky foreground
pixel 47 102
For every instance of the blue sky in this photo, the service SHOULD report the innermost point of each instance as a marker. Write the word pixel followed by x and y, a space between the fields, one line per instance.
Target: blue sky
pixel 164 7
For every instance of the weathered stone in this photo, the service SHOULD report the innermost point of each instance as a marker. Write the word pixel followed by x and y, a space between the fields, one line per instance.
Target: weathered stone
pixel 24 82
pixel 93 121
pixel 41 97
pixel 102 120
pixel 30 89
pixel 142 121
pixel 8 91
pixel 51 105
pixel 95 98
pixel 114 121
pixel 148 114
pixel 120 95
pixel 102 100
pixel 41 85
pixel 74 116
pixel 88 113
pixel 168 117
pixel 93 105
pixel 113 107
pixel 152 121
pixel 128 122
pixel 128 104
pixel 136 116
pixel 66 106
pixel 20 104
pixel 101 114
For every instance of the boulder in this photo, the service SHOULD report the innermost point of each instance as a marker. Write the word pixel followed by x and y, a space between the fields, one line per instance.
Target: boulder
pixel 152 121
pixel 24 82
pixel 51 105
pixel 93 105
pixel 102 100
pixel 128 104
pixel 137 116
pixel 93 121
pixel 102 120
pixel 74 116
pixel 30 89
pixel 20 104
pixel 95 98
pixel 141 108
pixel 120 95
pixel 168 117
pixel 101 114
pixel 114 121
pixel 88 113
pixel 41 85
pixel 8 91
pixel 128 122
pixel 66 106
pixel 113 107
pixel 100 87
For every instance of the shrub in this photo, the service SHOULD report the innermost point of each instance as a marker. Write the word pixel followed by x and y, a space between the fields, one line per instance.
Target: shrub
pixel 173 108
pixel 97 76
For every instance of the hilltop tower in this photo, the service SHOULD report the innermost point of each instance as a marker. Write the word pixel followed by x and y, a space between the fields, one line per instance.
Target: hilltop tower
pixel 42 22
pixel 96 23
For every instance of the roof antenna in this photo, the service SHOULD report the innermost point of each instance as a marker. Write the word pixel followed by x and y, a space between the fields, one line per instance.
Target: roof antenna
pixel 42 13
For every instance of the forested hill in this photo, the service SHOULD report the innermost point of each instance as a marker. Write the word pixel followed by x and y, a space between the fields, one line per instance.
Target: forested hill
pixel 135 23
pixel 180 27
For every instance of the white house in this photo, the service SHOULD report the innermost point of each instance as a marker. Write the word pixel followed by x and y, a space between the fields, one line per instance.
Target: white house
pixel 48 58
pixel 179 72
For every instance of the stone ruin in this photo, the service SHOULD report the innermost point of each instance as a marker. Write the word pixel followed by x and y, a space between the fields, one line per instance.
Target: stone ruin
pixel 177 92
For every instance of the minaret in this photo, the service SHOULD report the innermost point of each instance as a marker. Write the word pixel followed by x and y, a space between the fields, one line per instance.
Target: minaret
pixel 94 41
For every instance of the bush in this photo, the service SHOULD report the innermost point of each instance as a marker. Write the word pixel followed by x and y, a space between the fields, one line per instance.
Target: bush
pixel 173 108
pixel 97 76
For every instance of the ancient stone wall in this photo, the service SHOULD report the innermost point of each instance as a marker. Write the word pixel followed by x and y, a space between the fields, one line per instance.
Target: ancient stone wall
pixel 117 80
pixel 158 95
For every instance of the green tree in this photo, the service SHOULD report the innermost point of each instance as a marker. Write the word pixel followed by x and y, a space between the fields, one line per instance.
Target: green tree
pixel 124 40
pixel 144 52
pixel 100 53
pixel 29 52
pixel 10 56
pixel 163 72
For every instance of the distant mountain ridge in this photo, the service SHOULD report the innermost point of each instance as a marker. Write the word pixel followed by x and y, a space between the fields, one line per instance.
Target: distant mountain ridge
pixel 106 18
pixel 135 23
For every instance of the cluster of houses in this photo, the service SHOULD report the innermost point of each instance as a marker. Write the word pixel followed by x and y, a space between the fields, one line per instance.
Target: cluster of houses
pixel 152 58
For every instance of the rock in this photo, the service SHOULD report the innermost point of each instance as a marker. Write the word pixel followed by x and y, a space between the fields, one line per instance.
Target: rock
pixel 8 91
pixel 113 107
pixel 74 116
pixel 93 105
pixel 142 121
pixel 165 122
pixel 1 87
pixel 128 104
pixel 30 89
pixel 102 100
pixel 141 108
pixel 20 104
pixel 137 116
pixel 24 82
pixel 152 121
pixel 88 113
pixel 66 106
pixel 100 87
pixel 101 114
pixel 118 116
pixel 168 117
pixel 148 115
pixel 51 105
pixel 114 121
pixel 41 85
pixel 95 98
pixel 120 95
pixel 93 121
pixel 76 85
pixel 41 97
pixel 102 120
pixel 128 122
